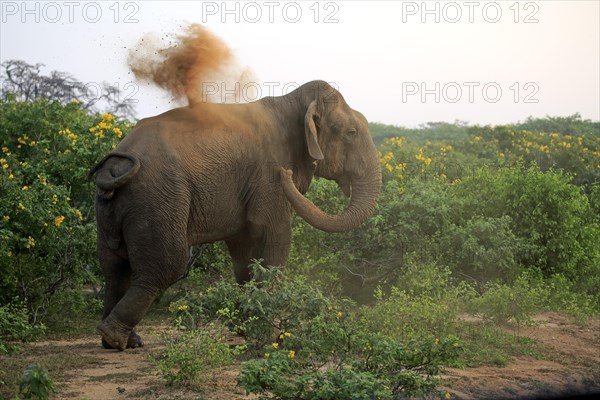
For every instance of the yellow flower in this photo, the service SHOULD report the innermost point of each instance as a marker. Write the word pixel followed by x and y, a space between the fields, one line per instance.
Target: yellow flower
pixel 118 132
pixel 43 180
pixel 11 176
pixel 267 355
pixel 182 307
pixel 447 396
pixel 59 220
pixel 285 335
pixel 30 242
pixel 396 141
pixel 21 206
pixel 339 314
pixel 25 188
pixel 291 354
pixel 275 345
pixel 79 216
pixel 107 117
pixel 5 218
pixel 9 253
pixel 54 199
pixel 5 149
pixel 389 167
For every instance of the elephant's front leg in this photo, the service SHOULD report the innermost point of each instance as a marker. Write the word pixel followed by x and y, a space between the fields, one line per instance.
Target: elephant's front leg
pixel 273 248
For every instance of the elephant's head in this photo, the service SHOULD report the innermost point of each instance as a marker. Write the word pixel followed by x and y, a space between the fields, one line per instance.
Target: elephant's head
pixel 338 139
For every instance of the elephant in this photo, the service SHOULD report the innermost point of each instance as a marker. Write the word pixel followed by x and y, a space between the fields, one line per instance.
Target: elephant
pixel 210 172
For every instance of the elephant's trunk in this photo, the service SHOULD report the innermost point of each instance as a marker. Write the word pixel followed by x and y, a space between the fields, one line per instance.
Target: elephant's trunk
pixel 365 191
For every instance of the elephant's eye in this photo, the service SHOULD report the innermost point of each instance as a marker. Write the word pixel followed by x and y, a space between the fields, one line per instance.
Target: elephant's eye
pixel 351 134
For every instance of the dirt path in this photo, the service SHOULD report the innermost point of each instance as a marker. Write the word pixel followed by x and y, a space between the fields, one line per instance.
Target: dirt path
pixel 572 366
pixel 86 371
pixel 130 374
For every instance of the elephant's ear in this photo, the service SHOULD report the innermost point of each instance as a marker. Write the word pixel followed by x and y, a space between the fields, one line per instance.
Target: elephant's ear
pixel 310 129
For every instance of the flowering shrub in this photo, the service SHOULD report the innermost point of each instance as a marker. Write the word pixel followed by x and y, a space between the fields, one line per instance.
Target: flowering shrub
pixel 335 356
pixel 486 205
pixel 191 352
pixel 256 309
pixel 47 230
pixel 313 346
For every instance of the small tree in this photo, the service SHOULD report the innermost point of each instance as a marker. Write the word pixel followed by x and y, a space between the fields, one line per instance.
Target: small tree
pixel 26 82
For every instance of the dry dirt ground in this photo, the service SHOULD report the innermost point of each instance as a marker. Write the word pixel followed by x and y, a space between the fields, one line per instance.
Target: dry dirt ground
pixel 571 365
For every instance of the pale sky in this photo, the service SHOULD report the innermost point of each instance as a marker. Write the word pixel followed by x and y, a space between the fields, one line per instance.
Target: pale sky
pixel 398 62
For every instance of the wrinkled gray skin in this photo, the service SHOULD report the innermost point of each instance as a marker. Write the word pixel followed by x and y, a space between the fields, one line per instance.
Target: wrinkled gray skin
pixel 222 172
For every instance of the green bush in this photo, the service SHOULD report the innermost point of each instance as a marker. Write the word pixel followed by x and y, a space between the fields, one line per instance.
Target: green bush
pixel 273 302
pixel 36 383
pixel 549 217
pixel 189 353
pixel 15 326
pixel 333 356
pixel 426 302
pixel 483 249
pixel 501 303
pixel 316 347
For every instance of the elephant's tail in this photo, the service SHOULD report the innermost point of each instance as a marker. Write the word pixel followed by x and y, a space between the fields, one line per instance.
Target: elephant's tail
pixel 114 173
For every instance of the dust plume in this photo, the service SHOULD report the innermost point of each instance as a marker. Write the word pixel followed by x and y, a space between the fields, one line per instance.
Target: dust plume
pixel 197 57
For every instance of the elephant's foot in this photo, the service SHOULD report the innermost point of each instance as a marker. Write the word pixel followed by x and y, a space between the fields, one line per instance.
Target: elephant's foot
pixel 117 336
pixel 133 341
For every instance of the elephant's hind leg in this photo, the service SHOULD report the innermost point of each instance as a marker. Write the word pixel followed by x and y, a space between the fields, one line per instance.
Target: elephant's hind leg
pixel 117 330
pixel 151 272
pixel 117 274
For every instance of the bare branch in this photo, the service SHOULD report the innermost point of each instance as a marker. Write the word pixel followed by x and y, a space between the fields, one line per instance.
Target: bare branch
pixel 25 82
